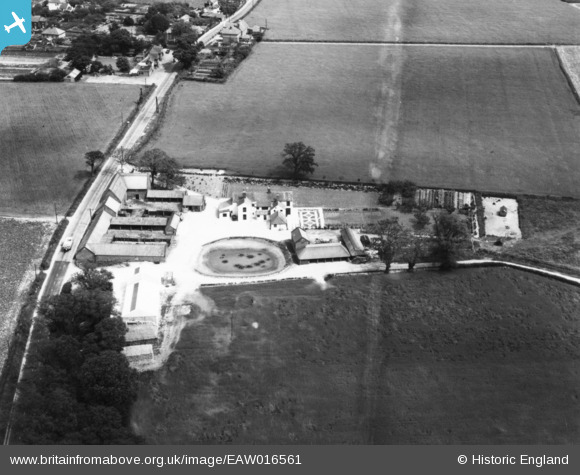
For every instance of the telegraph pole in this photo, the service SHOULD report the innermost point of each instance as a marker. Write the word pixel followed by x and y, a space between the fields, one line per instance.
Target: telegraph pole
pixel 55 215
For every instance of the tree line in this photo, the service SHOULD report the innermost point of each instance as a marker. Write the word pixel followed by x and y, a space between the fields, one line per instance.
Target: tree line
pixel 78 387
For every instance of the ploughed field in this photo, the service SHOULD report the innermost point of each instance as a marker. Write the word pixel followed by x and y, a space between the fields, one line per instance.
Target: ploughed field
pixel 492 119
pixel 481 356
pixel 46 129
pixel 440 21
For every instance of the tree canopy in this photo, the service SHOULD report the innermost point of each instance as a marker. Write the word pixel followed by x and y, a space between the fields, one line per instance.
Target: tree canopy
pixel 158 163
pixel 450 232
pixel 299 159
pixel 93 159
pixel 79 387
pixel 391 236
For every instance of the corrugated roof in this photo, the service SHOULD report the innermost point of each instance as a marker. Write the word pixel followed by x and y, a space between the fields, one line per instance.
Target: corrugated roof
pixel 136 221
pixel 322 251
pixel 153 250
pixel 136 181
pixel 165 193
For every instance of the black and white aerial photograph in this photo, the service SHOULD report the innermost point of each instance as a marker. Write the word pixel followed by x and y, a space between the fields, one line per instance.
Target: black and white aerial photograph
pixel 290 223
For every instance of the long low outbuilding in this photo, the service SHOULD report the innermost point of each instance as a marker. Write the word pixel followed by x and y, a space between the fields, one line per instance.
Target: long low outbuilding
pixel 113 253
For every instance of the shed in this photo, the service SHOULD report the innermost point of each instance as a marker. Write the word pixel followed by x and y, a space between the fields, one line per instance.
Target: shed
pixel 194 202
pixel 175 196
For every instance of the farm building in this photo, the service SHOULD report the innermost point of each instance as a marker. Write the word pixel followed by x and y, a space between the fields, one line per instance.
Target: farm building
pixel 194 202
pixel 308 253
pixel 113 238
pixel 73 76
pixel 139 353
pixel 117 189
pixel 111 206
pixel 167 196
pixel 137 185
pixel 114 253
pixel 352 243
pixel 142 299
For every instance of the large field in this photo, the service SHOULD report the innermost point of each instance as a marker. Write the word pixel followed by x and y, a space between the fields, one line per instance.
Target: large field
pixel 486 356
pixel 21 244
pixel 440 21
pixel 46 130
pixel 493 119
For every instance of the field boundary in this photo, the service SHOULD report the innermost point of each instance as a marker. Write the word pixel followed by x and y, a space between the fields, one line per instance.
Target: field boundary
pixel 422 43
pixel 567 75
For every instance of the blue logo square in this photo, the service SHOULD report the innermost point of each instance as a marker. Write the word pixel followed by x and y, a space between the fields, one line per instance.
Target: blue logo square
pixel 15 22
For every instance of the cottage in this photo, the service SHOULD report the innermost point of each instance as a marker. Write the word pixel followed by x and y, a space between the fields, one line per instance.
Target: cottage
pixel 230 34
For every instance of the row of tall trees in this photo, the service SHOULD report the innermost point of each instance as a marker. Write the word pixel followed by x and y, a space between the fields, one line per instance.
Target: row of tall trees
pixel 393 241
pixel 79 387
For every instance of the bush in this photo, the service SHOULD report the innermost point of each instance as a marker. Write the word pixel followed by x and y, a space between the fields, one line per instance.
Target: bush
pixel 54 241
pixel 421 218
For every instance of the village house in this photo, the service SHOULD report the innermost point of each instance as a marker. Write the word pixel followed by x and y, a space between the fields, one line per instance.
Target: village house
pixel 53 33
pixel 38 22
pixel 271 206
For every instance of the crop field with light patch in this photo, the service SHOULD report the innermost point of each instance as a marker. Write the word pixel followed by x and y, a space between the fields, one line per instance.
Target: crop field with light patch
pixel 422 21
pixel 491 119
pixel 46 129
pixel 21 243
pixel 480 356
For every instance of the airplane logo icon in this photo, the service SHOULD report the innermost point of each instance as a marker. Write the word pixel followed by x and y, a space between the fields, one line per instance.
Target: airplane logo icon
pixel 17 22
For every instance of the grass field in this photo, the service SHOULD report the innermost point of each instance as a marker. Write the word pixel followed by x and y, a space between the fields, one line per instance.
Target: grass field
pixel 46 130
pixel 485 356
pixel 20 245
pixel 441 21
pixel 470 118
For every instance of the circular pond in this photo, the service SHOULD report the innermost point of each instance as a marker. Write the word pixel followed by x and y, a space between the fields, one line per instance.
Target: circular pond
pixel 241 257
